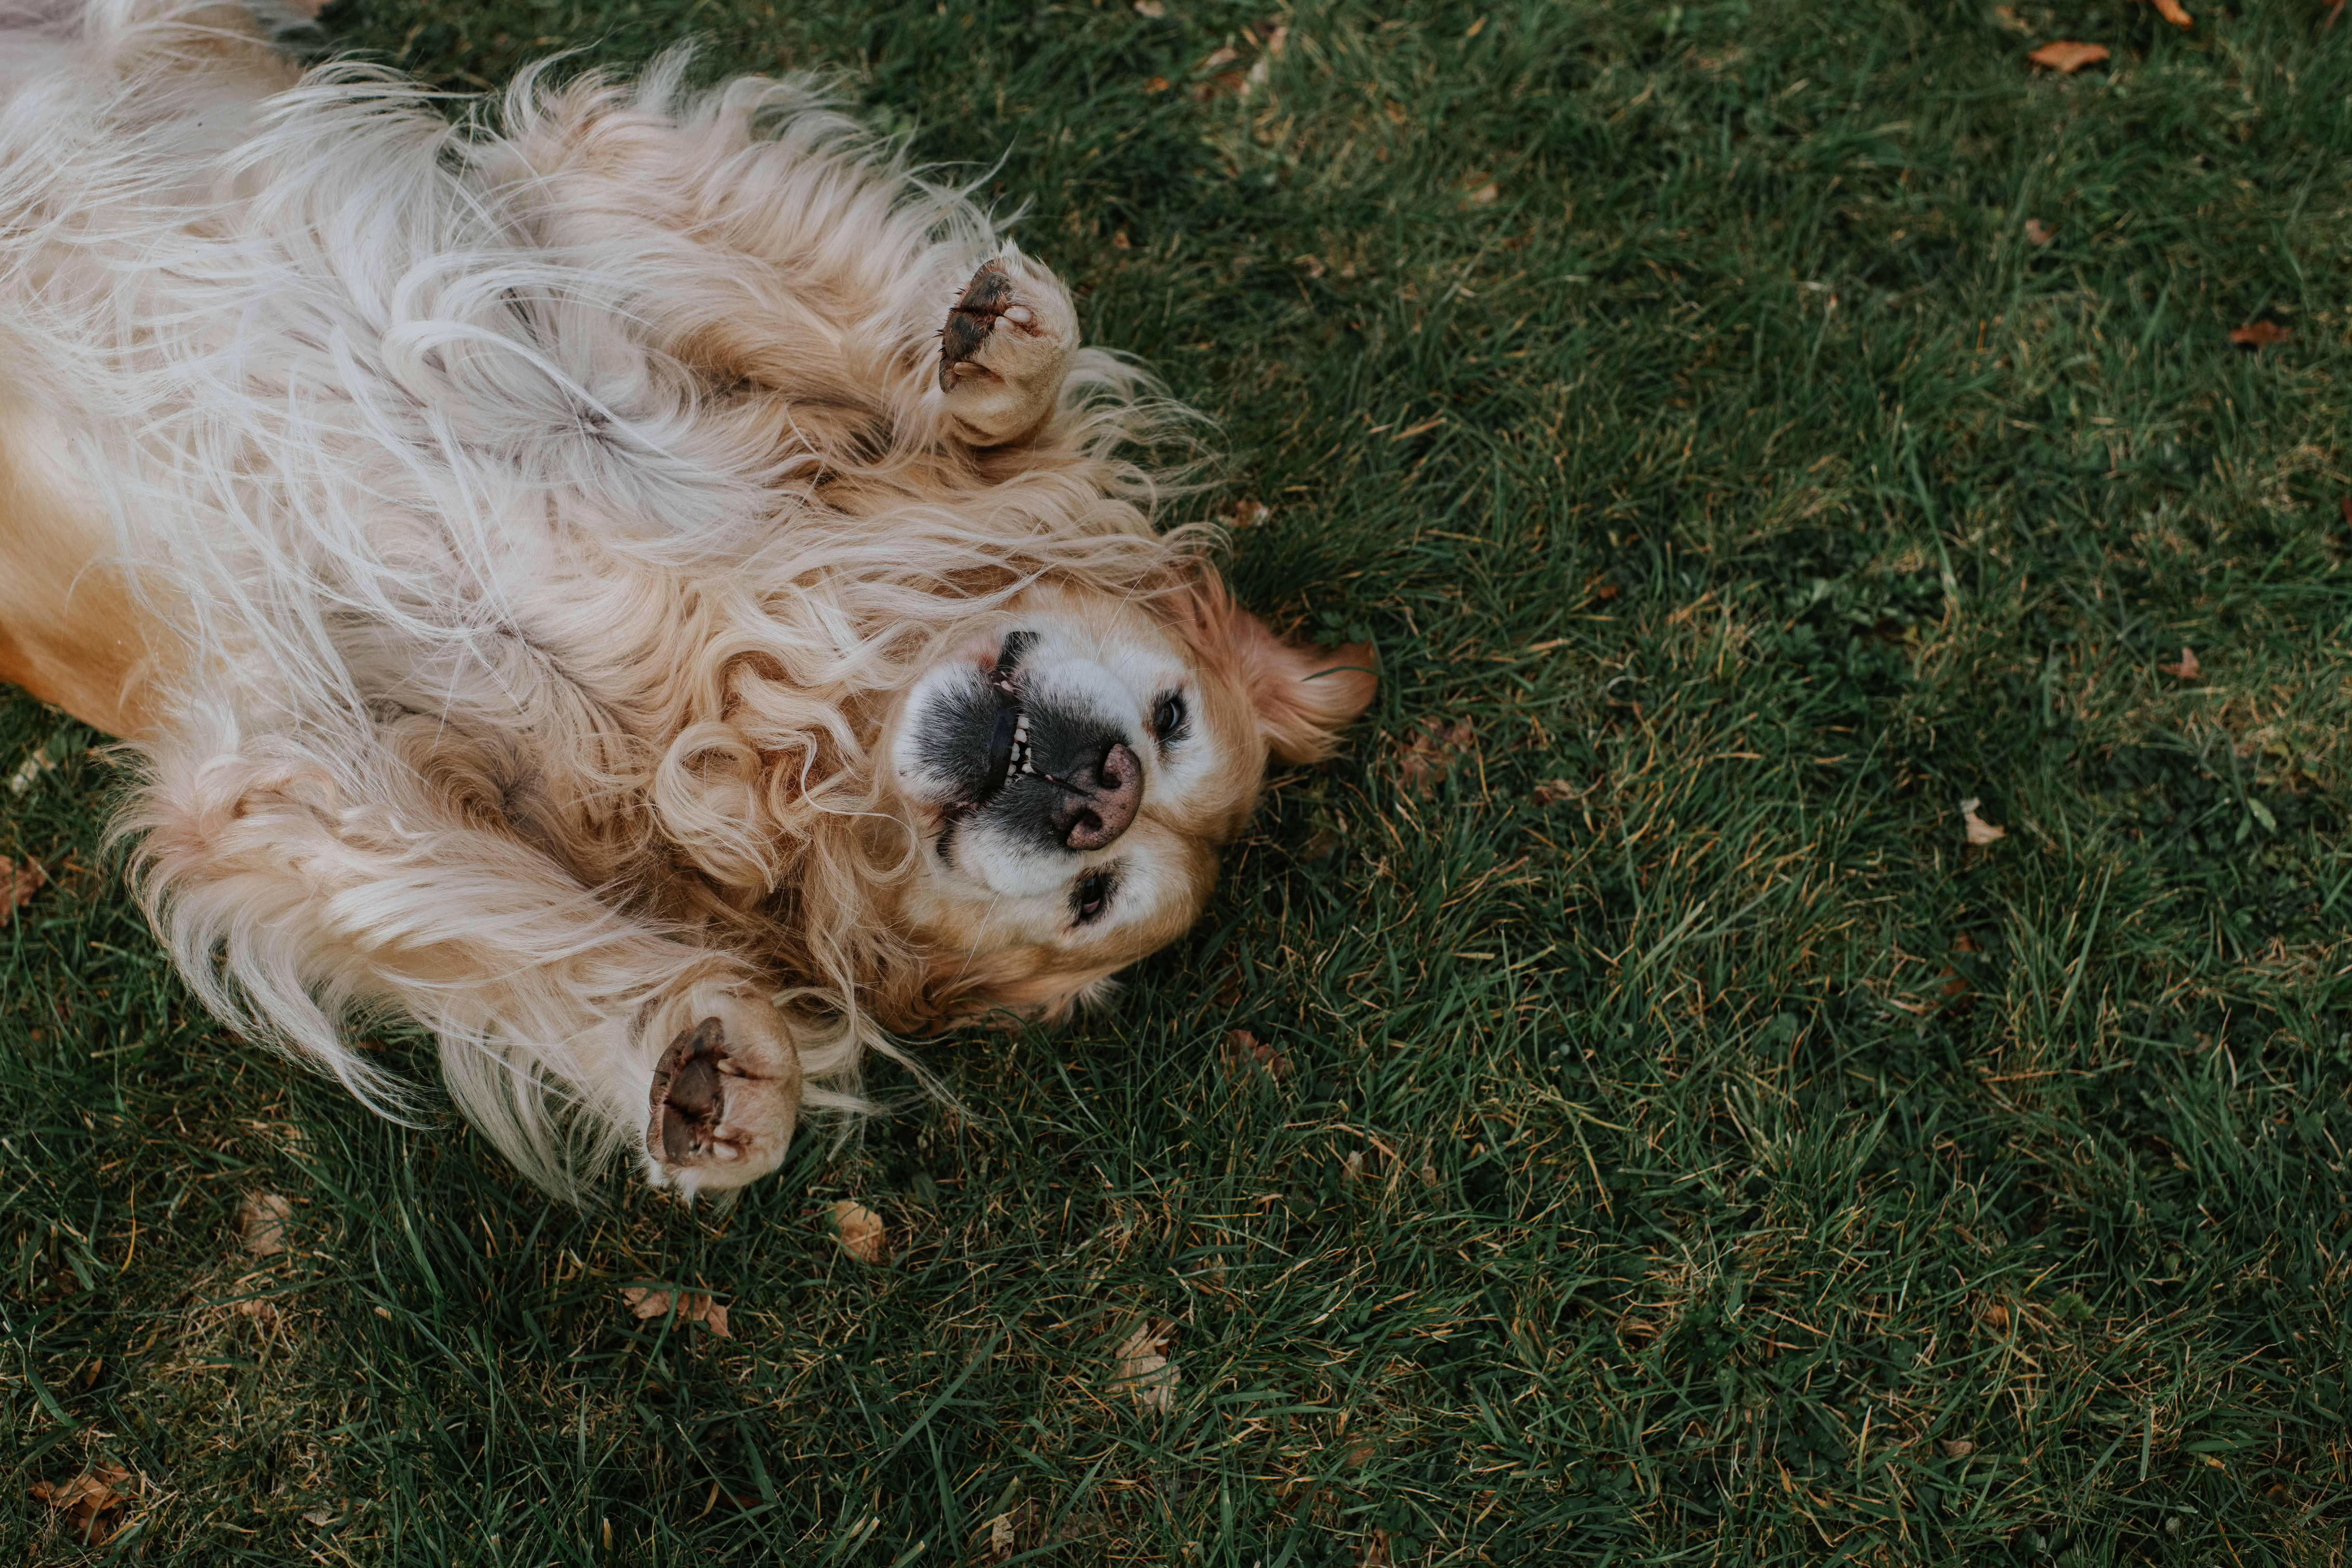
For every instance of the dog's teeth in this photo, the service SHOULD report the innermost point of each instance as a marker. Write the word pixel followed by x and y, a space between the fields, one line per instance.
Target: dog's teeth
pixel 1018 314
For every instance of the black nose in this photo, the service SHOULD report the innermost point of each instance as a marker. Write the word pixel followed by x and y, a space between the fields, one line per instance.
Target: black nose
pixel 1098 802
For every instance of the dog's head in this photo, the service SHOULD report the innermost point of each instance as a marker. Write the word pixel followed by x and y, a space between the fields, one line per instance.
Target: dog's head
pixel 1072 768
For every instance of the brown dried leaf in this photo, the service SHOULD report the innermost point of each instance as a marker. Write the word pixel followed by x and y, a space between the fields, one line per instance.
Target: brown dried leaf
pixel 18 883
pixel 1376 1552
pixel 861 1232
pixel 1429 751
pixel 1980 832
pixel 261 1222
pixel 2260 334
pixel 2187 669
pixel 2008 17
pixel 1246 1053
pixel 1142 1371
pixel 1551 792
pixel 693 1307
pixel 2066 56
pixel 1955 1447
pixel 1151 8
pixel 2039 233
pixel 2171 12
pixel 1996 1317
pixel 88 1501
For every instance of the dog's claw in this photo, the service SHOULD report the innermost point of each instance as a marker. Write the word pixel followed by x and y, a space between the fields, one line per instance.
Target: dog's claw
pixel 689 1103
pixel 972 318
pixel 1005 349
pixel 724 1098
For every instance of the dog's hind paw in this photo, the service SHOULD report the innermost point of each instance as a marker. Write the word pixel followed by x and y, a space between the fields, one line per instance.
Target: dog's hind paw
pixel 725 1097
pixel 1004 350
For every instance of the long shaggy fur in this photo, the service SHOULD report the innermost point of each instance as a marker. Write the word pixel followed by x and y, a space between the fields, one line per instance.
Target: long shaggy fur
pixel 544 503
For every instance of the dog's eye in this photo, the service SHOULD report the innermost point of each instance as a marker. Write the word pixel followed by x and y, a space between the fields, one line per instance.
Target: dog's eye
pixel 1169 717
pixel 1090 897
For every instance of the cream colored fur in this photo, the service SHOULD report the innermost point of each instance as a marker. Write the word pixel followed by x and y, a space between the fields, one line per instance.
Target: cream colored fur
pixel 535 519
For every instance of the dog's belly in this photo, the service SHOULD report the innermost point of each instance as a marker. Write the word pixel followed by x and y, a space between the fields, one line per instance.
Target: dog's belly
pixel 71 631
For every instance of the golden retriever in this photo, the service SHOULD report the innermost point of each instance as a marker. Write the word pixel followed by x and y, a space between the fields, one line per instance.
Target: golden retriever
pixel 635 579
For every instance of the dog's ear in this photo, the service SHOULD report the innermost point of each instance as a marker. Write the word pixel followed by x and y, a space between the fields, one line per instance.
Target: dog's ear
pixel 1303 695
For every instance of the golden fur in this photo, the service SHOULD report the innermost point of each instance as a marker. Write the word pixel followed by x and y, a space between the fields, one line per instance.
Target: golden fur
pixel 542 562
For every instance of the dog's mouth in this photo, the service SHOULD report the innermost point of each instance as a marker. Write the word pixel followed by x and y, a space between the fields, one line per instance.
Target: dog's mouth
pixel 1004 754
pixel 1008 733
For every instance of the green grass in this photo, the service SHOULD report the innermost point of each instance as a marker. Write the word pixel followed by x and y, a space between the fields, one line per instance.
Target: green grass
pixel 1711 1158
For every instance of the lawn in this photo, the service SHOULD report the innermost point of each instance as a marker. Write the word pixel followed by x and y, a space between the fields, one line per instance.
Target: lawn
pixel 1618 1110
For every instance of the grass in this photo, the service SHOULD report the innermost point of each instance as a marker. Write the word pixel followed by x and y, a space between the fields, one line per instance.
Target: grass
pixel 1676 1141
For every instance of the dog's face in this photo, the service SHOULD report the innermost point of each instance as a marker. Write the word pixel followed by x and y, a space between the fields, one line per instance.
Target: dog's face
pixel 1072 768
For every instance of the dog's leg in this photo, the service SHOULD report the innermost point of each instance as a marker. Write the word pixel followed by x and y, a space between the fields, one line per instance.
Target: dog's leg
pixel 1005 349
pixel 291 883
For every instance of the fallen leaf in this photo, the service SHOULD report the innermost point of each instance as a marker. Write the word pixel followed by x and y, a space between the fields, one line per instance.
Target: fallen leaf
pixel 1979 831
pixel 29 772
pixel 1996 1316
pixel 261 1220
pixel 2065 57
pixel 2187 668
pixel 2260 334
pixel 861 1232
pixel 1224 56
pixel 1157 84
pixel 86 1500
pixel 319 1516
pixel 1376 1552
pixel 1479 191
pixel 2008 17
pixel 2039 233
pixel 1428 752
pixel 18 883
pixel 1246 1053
pixel 2171 12
pixel 1551 792
pixel 693 1307
pixel 1151 8
pixel 1955 1447
pixel 1955 983
pixel 1139 1367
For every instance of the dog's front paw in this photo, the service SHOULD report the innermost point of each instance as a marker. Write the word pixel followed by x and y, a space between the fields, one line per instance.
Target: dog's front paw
pixel 726 1094
pixel 1004 351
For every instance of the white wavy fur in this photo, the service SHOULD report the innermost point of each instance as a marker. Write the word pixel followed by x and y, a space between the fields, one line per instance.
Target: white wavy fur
pixel 420 432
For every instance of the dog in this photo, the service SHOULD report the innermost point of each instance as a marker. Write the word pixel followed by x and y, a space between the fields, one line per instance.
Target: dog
pixel 637 580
